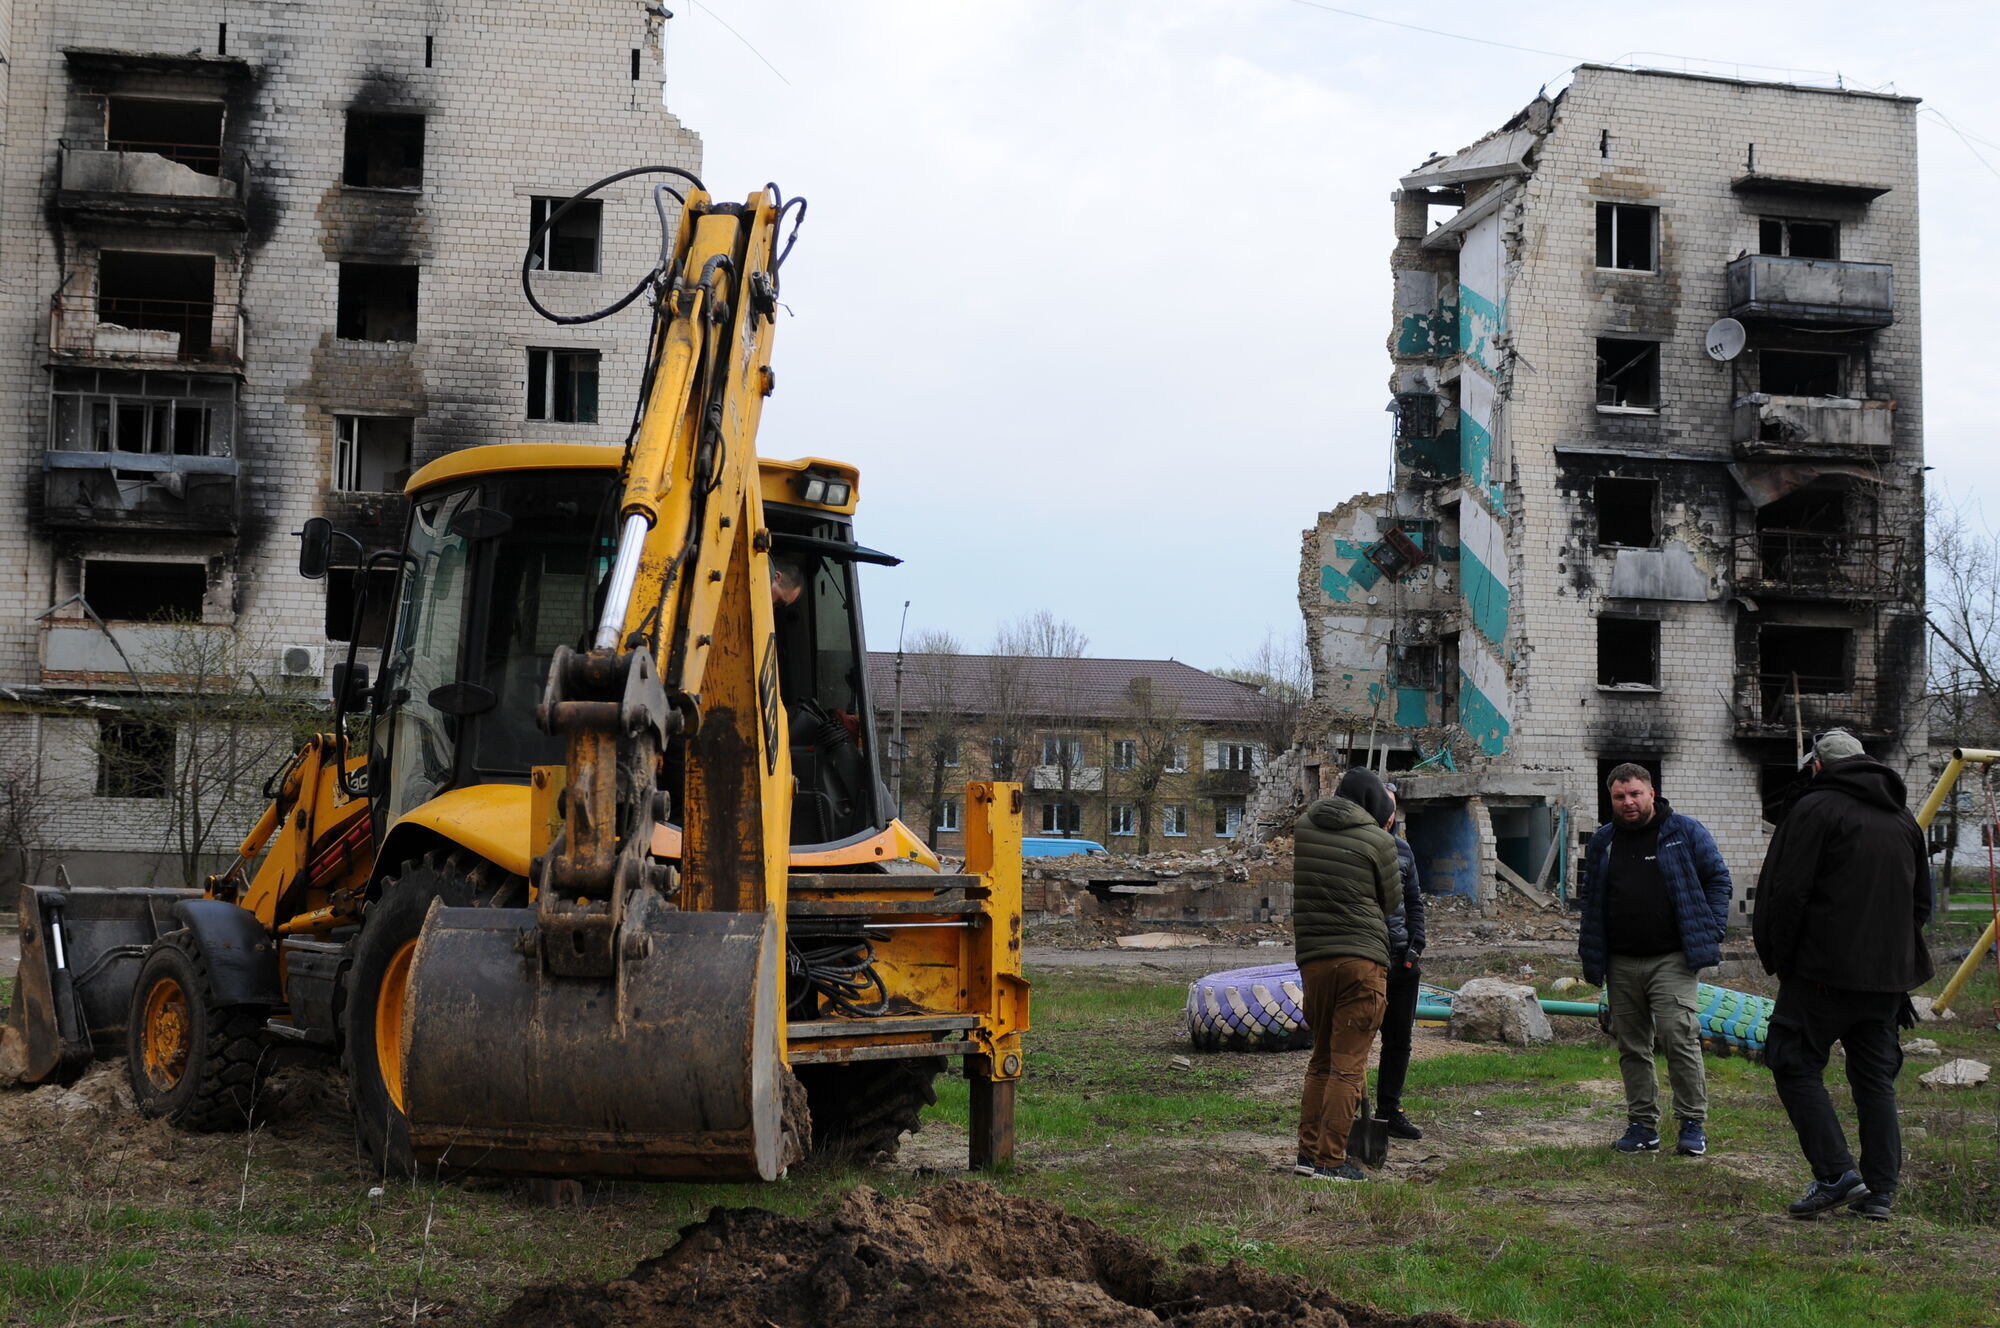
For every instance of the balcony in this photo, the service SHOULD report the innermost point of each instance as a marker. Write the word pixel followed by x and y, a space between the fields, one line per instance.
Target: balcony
pixel 125 181
pixel 1082 779
pixel 1781 705
pixel 82 654
pixel 1826 292
pixel 1766 425
pixel 1806 564
pixel 129 330
pixel 139 491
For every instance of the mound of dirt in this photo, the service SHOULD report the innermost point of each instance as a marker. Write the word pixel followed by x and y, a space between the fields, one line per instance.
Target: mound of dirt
pixel 962 1255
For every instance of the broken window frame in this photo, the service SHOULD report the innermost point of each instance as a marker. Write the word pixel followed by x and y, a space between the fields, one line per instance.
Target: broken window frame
pixel 1122 819
pixel 1628 354
pixel 135 758
pixel 549 245
pixel 563 384
pixel 1605 508
pixel 203 156
pixel 1615 222
pixel 1174 820
pixel 406 176
pixel 1780 231
pixel 1613 625
pixel 165 414
pixel 1842 371
pixel 179 586
pixel 1415 665
pixel 348 452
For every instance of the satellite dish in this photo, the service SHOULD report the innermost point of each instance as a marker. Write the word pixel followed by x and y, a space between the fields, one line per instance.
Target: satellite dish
pixel 1725 339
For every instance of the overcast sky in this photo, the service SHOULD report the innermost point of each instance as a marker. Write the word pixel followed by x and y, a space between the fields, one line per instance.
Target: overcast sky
pixel 1096 292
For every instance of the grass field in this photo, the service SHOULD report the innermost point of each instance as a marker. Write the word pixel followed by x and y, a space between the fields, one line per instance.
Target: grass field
pixel 1513 1205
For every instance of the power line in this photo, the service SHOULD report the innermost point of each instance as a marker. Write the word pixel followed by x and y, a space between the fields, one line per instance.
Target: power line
pixel 1434 32
pixel 1966 139
pixel 745 40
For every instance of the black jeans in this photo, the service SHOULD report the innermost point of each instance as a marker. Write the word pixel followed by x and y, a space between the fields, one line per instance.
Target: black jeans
pixel 1397 1015
pixel 1808 1020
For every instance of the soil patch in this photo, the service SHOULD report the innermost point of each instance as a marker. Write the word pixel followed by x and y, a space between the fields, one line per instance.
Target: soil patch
pixel 961 1255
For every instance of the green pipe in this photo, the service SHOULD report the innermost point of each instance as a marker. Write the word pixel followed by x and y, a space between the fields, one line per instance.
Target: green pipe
pixel 1581 1009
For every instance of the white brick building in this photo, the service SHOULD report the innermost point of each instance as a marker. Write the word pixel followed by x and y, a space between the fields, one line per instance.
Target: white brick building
pixel 1607 543
pixel 260 262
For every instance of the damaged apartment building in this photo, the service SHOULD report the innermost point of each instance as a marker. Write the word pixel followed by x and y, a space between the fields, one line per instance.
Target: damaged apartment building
pixel 1658 471
pixel 261 261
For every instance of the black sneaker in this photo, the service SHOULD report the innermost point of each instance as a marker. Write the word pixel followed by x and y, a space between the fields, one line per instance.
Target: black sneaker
pixel 1876 1206
pixel 1346 1171
pixel 1639 1137
pixel 1303 1166
pixel 1693 1141
pixel 1400 1126
pixel 1824 1194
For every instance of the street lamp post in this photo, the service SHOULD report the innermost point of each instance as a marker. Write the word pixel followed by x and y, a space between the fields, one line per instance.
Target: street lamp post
pixel 896 743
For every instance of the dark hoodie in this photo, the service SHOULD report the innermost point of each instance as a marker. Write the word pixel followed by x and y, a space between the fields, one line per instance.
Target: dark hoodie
pixel 1846 889
pixel 1345 883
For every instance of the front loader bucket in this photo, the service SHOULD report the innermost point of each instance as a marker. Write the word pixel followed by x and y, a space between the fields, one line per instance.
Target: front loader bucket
pixel 80 956
pixel 671 1069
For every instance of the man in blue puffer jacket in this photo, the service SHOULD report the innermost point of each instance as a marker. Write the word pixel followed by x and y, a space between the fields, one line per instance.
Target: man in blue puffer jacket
pixel 1655 905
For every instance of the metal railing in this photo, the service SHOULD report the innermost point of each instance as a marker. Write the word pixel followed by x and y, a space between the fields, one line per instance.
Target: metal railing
pixel 146 330
pixel 1778 704
pixel 1818 565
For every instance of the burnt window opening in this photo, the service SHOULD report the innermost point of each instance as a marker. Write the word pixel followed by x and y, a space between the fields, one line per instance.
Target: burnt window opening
pixel 1606 764
pixel 1794 237
pixel 1628 374
pixel 159 292
pixel 144 592
pixel 1801 373
pixel 384 151
pixel 1418 415
pixel 378 302
pixel 1822 511
pixel 571 244
pixel 371 453
pixel 562 386
pixel 163 414
pixel 1628 513
pixel 1800 537
pixel 1628 653
pixel 135 758
pixel 1625 237
pixel 1416 666
pixel 1448 678
pixel 1817 661
pixel 1774 784
pixel 188 132
pixel 343 586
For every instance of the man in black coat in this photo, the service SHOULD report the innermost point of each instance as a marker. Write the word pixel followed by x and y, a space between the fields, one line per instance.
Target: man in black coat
pixel 1840 912
pixel 1406 945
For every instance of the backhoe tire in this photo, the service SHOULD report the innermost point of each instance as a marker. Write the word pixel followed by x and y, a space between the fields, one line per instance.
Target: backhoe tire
pixel 194 1063
pixel 860 1110
pixel 381 963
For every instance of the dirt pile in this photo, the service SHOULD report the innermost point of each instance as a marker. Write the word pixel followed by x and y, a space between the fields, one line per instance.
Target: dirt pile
pixel 962 1255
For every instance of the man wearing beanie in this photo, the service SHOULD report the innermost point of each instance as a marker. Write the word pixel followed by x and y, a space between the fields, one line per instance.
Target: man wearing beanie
pixel 1655 905
pixel 1839 919
pixel 1346 882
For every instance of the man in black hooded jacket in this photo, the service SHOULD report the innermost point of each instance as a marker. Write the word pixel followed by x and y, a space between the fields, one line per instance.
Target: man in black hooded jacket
pixel 1840 912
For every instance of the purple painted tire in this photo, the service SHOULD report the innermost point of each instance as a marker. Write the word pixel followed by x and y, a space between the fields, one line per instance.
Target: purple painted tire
pixel 1248 1009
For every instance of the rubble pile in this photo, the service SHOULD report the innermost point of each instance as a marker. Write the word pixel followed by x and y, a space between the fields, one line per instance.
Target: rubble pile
pixel 960 1255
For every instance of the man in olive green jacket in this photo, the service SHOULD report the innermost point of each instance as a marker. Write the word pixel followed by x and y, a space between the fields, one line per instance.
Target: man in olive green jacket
pixel 1345 884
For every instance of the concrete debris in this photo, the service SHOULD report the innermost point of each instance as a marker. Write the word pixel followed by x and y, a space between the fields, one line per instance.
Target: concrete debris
pixel 1181 1063
pixel 1161 940
pixel 1568 984
pixel 1925 1014
pixel 1490 1010
pixel 1961 1073
pixel 1922 1047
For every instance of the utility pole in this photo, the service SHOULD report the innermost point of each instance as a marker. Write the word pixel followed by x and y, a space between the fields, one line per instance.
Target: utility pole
pixel 896 743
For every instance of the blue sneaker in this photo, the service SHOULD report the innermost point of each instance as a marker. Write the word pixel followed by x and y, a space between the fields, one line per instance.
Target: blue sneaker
pixel 1692 1143
pixel 1639 1137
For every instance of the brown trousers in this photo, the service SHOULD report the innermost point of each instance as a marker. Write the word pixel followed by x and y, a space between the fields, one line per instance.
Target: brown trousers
pixel 1343 1008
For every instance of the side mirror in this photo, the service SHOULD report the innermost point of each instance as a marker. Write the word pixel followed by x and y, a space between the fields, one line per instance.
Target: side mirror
pixel 315 547
pixel 350 686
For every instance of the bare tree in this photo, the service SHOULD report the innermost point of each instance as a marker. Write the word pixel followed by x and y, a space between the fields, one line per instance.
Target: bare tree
pixel 939 692
pixel 1160 735
pixel 1280 668
pixel 1962 695
pixel 26 806
pixel 204 739
pixel 1057 696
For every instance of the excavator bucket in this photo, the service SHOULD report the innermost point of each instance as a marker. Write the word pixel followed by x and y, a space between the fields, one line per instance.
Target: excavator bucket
pixel 80 956
pixel 670 1069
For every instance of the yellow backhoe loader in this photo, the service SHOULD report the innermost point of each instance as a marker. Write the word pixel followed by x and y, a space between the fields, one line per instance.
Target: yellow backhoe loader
pixel 605 882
